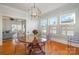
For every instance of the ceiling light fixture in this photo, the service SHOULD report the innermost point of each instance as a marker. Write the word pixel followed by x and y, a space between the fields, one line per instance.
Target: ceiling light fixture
pixel 34 12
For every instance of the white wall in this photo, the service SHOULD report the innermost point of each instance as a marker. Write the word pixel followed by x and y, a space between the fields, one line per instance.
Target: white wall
pixel 12 12
pixel 18 14
pixel 6 23
pixel 15 13
pixel 61 10
pixel 69 8
pixel 0 30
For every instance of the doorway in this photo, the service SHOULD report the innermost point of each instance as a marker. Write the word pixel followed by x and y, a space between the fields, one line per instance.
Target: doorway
pixel 13 29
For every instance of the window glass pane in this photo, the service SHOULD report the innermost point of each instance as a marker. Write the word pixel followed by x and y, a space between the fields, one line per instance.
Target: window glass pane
pixel 53 21
pixel 68 19
pixel 14 27
pixel 53 27
pixel 70 33
pixel 43 22
pixel 54 31
pixel 19 27
pixel 44 31
pixel 63 32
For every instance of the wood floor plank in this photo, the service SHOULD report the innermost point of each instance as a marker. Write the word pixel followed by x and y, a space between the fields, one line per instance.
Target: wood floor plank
pixel 51 48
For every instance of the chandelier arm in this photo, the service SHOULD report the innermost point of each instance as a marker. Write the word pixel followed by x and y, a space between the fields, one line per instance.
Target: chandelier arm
pixel 34 11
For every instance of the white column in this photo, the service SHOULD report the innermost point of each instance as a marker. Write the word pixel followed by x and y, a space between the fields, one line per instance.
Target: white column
pixel 0 30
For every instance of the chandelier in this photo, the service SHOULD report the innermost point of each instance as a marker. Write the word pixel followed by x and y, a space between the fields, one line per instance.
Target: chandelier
pixel 34 12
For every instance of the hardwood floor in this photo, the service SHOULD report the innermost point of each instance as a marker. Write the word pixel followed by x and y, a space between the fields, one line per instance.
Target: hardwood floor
pixel 0 50
pixel 60 49
pixel 11 49
pixel 51 48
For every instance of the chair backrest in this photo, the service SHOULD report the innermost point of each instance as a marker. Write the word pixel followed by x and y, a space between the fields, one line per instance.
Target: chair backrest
pixel 35 41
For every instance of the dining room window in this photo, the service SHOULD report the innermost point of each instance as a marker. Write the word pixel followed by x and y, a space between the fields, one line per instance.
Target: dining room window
pixel 52 25
pixel 67 18
pixel 67 22
pixel 43 29
pixel 53 21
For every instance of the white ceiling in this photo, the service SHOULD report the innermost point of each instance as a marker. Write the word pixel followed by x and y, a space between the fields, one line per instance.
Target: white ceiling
pixel 44 7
